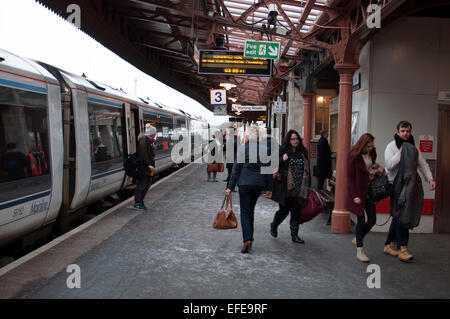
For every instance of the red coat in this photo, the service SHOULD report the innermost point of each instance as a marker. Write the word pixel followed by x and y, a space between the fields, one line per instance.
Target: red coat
pixel 358 182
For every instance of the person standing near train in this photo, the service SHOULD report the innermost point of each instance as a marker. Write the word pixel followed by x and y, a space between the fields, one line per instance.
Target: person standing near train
pixel 146 155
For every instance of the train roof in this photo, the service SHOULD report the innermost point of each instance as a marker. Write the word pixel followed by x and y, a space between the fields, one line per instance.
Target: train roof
pixel 25 73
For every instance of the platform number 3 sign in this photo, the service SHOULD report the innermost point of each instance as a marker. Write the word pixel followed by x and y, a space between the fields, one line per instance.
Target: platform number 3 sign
pixel 218 97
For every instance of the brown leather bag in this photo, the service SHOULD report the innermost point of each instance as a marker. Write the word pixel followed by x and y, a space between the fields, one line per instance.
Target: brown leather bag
pixel 225 218
pixel 212 168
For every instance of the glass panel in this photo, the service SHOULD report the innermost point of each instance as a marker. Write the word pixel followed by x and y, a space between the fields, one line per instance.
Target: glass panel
pixel 24 146
pixel 164 133
pixel 105 128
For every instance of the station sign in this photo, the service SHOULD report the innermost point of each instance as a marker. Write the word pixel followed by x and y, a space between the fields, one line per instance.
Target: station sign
pixel 426 143
pixel 262 49
pixel 218 97
pixel 223 62
pixel 260 108
pixel 279 107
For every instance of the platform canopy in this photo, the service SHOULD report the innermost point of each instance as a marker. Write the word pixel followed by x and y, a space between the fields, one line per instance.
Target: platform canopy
pixel 161 37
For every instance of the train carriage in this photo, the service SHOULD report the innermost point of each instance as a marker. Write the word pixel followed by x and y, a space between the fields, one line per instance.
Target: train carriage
pixel 31 147
pixel 63 141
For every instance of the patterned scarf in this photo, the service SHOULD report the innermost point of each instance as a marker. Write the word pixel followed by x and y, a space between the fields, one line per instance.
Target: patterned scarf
pixel 297 165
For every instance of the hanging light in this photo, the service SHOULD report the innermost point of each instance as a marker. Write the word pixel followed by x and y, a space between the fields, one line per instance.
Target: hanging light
pixel 227 86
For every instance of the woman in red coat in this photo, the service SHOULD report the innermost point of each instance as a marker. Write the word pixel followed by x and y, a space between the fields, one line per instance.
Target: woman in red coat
pixel 360 158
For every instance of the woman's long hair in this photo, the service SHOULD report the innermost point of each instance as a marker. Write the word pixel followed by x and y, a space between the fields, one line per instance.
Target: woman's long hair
pixel 287 144
pixel 357 149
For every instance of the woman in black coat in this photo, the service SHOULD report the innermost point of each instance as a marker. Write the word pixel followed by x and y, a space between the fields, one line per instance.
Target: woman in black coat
pixel 323 167
pixel 291 183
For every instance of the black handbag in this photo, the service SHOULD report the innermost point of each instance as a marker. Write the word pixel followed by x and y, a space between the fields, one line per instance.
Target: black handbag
pixel 379 188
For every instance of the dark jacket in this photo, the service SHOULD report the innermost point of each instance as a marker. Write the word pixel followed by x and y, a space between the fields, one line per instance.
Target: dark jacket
pixel 146 153
pixel 407 197
pixel 323 167
pixel 248 173
pixel 279 193
pixel 14 162
pixel 358 182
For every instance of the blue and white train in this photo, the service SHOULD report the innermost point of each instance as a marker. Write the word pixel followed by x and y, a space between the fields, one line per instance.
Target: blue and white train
pixel 63 140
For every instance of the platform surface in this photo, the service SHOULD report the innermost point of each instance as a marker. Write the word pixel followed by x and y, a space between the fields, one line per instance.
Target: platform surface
pixel 172 251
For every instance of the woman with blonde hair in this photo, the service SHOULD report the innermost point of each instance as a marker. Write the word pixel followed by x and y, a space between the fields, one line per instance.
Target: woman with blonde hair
pixel 247 175
pixel 360 158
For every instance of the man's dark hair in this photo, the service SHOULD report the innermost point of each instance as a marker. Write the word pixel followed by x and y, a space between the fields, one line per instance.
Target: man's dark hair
pixel 403 124
pixel 11 146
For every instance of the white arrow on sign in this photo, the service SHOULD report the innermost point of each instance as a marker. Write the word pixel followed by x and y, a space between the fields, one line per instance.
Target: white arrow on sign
pixel 273 51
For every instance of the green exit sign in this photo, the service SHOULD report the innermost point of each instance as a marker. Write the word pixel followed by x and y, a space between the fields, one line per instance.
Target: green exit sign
pixel 262 49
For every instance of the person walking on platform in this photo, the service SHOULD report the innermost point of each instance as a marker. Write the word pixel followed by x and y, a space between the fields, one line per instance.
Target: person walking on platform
pixel 398 231
pixel 213 166
pixel 323 167
pixel 292 181
pixel 146 155
pixel 360 158
pixel 247 175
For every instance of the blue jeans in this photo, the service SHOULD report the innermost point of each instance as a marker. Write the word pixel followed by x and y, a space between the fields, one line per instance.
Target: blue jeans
pixel 397 233
pixel 248 195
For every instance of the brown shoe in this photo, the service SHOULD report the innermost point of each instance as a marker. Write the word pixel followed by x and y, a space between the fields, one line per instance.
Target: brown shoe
pixel 247 246
pixel 390 249
pixel 404 255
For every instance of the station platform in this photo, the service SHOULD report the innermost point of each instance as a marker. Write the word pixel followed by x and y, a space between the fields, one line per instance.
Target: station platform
pixel 171 251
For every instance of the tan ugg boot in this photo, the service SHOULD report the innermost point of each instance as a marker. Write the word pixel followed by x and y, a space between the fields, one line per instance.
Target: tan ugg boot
pixel 404 255
pixel 361 255
pixel 390 249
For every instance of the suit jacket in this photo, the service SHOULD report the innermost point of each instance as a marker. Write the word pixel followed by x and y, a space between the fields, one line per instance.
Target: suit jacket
pixel 358 182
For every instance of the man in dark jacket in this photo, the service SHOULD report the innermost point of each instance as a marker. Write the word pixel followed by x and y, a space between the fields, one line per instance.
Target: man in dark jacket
pixel 146 156
pixel 323 167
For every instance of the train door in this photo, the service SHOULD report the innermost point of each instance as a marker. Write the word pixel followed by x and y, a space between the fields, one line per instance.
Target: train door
pixel 131 121
pixel 442 214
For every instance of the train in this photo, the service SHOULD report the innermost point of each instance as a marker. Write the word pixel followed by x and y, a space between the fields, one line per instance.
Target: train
pixel 63 142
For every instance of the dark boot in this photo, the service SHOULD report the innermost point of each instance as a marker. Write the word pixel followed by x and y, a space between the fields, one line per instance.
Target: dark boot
pixel 273 230
pixel 294 235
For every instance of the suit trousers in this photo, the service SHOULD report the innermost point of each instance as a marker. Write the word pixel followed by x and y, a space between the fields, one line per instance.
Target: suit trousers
pixel 248 195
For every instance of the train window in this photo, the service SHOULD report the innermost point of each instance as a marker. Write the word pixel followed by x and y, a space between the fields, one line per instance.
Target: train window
pixel 164 133
pixel 105 133
pixel 24 145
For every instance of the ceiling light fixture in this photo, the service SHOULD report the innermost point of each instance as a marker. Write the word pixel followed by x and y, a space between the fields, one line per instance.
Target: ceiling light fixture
pixel 227 86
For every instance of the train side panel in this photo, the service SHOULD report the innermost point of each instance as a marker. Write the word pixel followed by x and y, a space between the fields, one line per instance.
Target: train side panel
pixel 27 173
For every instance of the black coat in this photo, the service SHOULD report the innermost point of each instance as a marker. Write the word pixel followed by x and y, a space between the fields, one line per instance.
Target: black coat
pixel 323 167
pixel 279 186
pixel 407 197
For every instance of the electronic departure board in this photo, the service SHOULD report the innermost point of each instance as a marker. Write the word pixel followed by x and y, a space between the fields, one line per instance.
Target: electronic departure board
pixel 232 63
